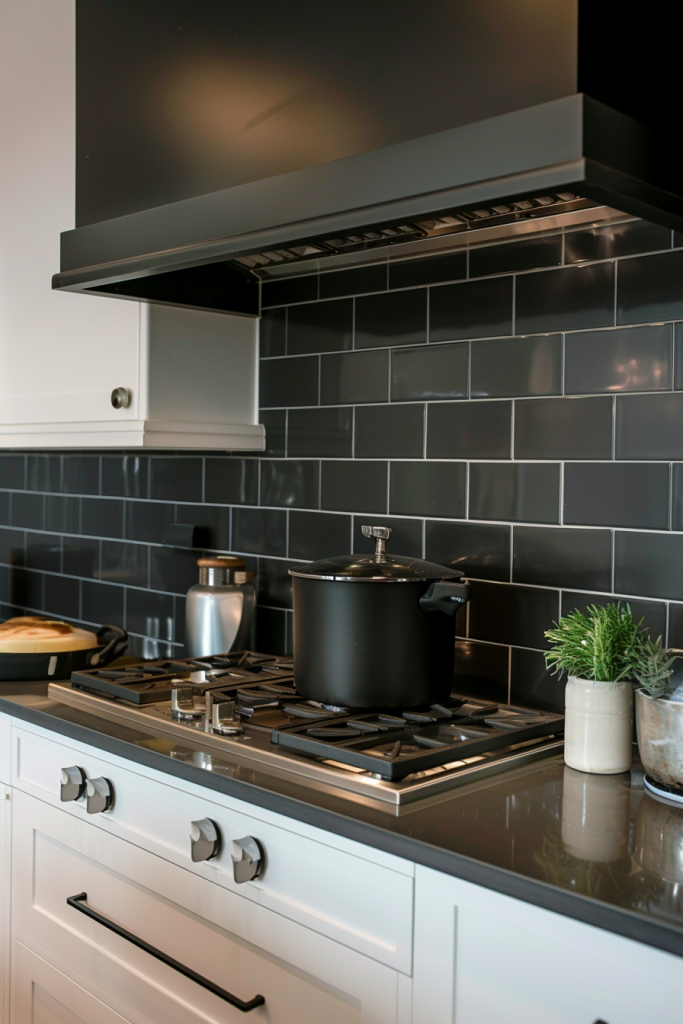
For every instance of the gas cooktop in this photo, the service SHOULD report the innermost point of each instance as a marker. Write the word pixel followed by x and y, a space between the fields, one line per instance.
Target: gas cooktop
pixel 245 705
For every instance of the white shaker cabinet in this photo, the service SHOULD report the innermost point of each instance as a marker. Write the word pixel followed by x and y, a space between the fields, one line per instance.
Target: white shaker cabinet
pixel 482 957
pixel 190 376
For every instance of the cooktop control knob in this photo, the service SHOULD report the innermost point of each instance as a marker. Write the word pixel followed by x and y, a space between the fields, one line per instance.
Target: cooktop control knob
pixel 205 840
pixel 99 795
pixel 224 718
pixel 247 859
pixel 72 785
pixel 183 704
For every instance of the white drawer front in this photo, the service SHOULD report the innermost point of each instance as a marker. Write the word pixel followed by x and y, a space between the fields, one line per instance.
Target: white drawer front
pixel 234 942
pixel 363 898
pixel 5 747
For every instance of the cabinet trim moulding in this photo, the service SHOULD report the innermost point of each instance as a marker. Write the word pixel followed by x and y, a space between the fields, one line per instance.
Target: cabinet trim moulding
pixel 135 434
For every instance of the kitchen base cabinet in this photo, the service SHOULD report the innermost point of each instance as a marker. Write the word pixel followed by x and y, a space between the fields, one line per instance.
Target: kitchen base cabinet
pixel 5 868
pixel 482 957
pixel 237 944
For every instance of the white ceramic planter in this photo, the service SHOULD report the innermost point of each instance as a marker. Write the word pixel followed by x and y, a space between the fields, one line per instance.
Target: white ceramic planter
pixel 598 726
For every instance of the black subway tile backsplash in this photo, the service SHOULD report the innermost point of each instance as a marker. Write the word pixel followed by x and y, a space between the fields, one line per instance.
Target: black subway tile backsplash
pixel 390 394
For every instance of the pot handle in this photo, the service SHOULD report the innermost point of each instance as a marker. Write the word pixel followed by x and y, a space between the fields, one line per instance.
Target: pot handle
pixel 445 597
pixel 116 642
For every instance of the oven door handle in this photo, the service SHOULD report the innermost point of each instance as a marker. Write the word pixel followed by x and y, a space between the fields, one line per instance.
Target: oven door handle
pixel 78 903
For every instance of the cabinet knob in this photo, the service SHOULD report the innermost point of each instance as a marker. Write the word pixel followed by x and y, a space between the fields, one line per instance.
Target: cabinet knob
pixel 205 840
pixel 120 398
pixel 72 784
pixel 99 795
pixel 247 859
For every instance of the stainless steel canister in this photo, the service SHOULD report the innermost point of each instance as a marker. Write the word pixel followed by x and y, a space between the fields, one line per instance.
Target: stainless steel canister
pixel 219 609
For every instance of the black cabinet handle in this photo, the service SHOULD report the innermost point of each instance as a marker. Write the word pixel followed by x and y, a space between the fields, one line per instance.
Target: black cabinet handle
pixel 78 903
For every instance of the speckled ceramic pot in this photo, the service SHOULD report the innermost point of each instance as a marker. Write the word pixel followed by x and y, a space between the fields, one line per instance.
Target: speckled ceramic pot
pixel 660 737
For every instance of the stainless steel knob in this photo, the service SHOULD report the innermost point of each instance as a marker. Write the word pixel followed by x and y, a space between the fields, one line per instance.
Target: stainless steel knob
pixel 248 859
pixel 183 705
pixel 120 398
pixel 72 784
pixel 99 795
pixel 205 840
pixel 223 716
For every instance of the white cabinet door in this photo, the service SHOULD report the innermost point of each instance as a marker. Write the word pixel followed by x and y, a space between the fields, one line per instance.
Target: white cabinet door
pixel 235 943
pixel 5 862
pixel 482 957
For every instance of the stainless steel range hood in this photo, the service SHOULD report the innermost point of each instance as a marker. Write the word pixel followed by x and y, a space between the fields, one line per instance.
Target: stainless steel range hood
pixel 522 168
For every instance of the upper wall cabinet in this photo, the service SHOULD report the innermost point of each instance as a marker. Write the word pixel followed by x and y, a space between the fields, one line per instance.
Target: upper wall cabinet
pixel 84 371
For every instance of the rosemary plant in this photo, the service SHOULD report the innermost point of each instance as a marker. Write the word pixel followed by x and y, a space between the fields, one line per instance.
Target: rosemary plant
pixel 604 644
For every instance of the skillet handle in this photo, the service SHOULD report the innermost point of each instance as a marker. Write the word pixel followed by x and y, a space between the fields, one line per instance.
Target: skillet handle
pixel 116 642
pixel 445 597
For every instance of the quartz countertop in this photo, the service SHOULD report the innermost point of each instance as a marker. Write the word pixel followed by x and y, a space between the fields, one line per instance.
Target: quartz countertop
pixel 595 848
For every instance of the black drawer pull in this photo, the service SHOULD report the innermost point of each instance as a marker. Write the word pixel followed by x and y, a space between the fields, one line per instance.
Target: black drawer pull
pixel 78 903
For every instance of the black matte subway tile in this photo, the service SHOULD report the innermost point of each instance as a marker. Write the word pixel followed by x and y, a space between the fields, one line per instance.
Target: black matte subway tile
pixel 394 318
pixel 481 670
pixel 28 511
pixel 675 635
pixel 179 634
pixel 13 472
pixel 271 630
pixel 176 479
pixel 428 270
pixel 147 520
pixel 350 377
pixel 406 535
pixel 652 613
pixel 570 299
pixel 4 508
pixel 354 486
pixel 525 254
pixel 13 545
pixel 81 556
pixel 389 432
pixel 275 422
pixel 4 590
pixel 62 597
pixel 677 497
pixel 649 426
pixel 610 240
pixel 507 614
pixel 431 371
pixel 521 492
pixel 482 552
pixel 211 522
pixel 231 481
pixel 44 472
pixel 125 476
pixel 511 367
pixel 563 428
pixel 274 583
pixel 102 603
pixel 148 613
pixel 320 327
pixel 172 569
pixel 62 514
pixel 625 359
pixel 124 563
pixel 678 357
pixel 649 564
pixel 323 433
pixel 578 559
pixel 473 309
pixel 81 474
pixel 273 333
pixel 287 382
pixel 102 517
pixel 259 531
pixel 469 430
pixel 427 489
pixel 354 281
pixel 532 684
pixel 43 552
pixel 649 288
pixel 291 289
pixel 290 483
pixel 617 494
pixel 26 589
pixel 314 535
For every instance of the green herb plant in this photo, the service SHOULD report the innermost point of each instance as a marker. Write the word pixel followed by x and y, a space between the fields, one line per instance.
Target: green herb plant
pixel 605 644
pixel 655 667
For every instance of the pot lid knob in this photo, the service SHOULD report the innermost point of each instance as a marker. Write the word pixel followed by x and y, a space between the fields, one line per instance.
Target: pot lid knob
pixel 381 535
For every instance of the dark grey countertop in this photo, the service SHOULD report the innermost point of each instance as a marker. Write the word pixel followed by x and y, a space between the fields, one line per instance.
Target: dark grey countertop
pixel 595 848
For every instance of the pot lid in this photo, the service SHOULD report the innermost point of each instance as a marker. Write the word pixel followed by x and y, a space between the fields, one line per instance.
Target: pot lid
pixel 378 568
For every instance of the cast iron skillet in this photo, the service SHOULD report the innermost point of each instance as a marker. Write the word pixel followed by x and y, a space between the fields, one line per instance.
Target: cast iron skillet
pixel 25 667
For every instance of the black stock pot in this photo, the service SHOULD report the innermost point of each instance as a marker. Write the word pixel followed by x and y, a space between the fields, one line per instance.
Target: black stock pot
pixel 376 630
